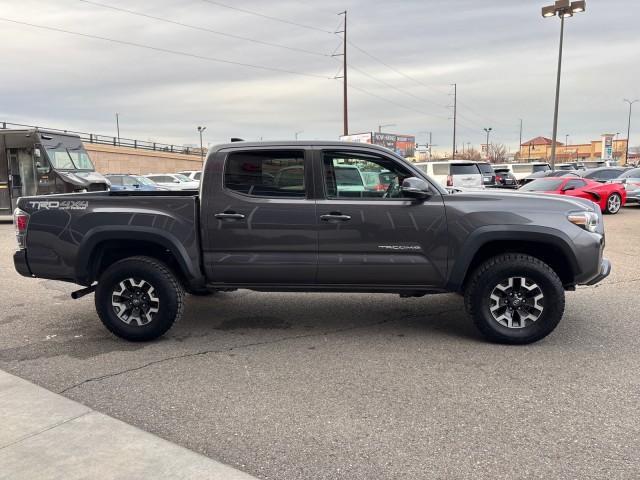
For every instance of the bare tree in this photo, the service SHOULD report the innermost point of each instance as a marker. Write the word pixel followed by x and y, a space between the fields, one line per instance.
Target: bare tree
pixel 470 154
pixel 497 153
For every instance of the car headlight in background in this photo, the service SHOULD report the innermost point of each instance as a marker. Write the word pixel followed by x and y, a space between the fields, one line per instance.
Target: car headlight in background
pixel 587 220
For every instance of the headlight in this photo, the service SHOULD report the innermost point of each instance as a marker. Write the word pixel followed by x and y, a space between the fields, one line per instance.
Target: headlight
pixel 587 220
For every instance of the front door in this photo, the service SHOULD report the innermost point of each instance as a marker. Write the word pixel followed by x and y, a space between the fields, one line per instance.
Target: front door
pixel 371 234
pixel 259 218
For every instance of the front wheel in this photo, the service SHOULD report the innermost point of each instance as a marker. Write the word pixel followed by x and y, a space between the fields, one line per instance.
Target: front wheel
pixel 515 299
pixel 138 298
pixel 614 202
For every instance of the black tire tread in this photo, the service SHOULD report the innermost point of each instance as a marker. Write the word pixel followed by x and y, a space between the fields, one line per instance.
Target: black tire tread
pixel 473 285
pixel 169 276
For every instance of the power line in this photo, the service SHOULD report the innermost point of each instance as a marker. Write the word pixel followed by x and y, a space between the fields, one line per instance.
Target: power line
pixel 275 19
pixel 401 90
pixel 166 50
pixel 384 99
pixel 202 29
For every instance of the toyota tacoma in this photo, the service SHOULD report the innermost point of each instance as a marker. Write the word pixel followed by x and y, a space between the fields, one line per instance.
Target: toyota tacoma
pixel 297 216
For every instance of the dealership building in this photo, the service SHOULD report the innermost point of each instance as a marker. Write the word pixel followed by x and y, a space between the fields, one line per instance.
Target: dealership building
pixel 539 148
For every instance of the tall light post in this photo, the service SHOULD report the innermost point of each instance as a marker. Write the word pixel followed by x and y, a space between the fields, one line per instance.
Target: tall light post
pixel 488 130
pixel 563 9
pixel 626 153
pixel 118 126
pixel 380 127
pixel 298 133
pixel 200 130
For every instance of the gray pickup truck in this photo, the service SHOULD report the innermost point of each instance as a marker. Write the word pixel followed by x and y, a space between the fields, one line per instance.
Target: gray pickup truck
pixel 300 217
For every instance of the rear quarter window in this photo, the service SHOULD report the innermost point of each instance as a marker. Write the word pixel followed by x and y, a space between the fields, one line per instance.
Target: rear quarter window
pixel 486 168
pixel 442 169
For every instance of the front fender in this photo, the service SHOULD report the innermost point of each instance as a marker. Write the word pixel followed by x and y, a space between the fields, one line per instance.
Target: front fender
pixel 492 233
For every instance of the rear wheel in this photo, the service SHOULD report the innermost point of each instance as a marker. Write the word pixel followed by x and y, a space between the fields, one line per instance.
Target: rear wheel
pixel 614 203
pixel 515 299
pixel 138 298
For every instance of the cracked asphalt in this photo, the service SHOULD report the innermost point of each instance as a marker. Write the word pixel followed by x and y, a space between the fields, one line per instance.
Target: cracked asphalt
pixel 356 386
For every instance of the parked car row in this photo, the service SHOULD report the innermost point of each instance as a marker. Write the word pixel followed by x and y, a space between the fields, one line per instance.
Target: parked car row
pixel 609 187
pixel 189 180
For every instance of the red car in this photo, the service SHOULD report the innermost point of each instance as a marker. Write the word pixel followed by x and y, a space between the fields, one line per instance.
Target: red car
pixel 610 196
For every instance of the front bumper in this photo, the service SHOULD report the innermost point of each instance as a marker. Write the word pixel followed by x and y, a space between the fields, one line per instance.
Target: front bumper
pixel 20 263
pixel 605 270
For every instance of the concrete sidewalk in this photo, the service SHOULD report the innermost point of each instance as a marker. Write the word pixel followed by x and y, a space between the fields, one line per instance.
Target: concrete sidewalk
pixel 46 436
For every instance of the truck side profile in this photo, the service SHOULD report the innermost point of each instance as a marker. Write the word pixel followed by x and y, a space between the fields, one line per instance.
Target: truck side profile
pixel 276 217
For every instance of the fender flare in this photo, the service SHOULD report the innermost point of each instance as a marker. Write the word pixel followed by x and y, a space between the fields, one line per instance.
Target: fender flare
pixel 95 236
pixel 492 233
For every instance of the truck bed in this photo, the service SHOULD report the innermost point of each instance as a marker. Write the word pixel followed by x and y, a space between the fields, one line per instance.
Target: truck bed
pixel 64 228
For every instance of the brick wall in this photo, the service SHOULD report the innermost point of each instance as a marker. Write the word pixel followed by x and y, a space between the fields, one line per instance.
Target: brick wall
pixel 113 159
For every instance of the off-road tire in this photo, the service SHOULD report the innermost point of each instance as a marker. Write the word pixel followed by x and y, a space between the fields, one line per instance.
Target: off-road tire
pixel 168 289
pixel 489 274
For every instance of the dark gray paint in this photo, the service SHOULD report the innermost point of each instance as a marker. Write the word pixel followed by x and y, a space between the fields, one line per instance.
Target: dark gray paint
pixel 281 244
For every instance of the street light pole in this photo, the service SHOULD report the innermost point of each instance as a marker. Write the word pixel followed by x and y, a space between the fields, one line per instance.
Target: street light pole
pixel 118 126
pixel 561 8
pixel 380 127
pixel 626 154
pixel 488 130
pixel 298 133
pixel 200 130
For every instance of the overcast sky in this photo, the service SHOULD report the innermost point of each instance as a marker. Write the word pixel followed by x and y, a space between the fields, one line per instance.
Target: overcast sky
pixel 501 53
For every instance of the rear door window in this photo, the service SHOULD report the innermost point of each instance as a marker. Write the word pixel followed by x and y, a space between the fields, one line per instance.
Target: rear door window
pixel 266 173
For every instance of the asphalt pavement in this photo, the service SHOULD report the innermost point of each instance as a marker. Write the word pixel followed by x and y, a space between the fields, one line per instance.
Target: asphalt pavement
pixel 354 386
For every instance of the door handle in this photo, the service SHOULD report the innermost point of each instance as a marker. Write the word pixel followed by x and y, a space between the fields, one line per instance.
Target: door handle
pixel 229 216
pixel 334 217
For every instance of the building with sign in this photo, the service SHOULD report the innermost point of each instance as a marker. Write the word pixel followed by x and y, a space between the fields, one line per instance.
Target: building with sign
pixel 404 145
pixel 539 148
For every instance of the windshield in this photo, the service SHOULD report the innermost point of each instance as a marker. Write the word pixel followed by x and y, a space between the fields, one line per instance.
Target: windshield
pixel 633 173
pixel 63 157
pixel 541 168
pixel 486 168
pixel 182 178
pixel 144 181
pixel 464 169
pixel 542 186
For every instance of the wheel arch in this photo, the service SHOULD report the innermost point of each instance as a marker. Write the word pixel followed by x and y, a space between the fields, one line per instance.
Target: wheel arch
pixel 105 245
pixel 549 245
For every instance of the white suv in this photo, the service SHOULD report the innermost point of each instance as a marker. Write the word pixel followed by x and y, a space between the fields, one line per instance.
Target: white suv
pixel 192 174
pixel 454 173
pixel 173 181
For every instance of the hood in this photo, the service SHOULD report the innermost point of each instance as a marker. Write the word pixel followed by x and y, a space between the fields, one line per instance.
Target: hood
pixel 515 199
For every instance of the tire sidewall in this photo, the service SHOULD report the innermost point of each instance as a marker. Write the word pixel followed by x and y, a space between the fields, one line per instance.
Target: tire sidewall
pixel 164 289
pixel 548 320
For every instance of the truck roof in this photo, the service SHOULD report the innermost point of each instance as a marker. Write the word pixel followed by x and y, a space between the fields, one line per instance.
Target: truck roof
pixel 303 143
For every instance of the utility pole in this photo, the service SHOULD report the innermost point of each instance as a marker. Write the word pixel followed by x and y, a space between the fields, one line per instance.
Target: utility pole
pixel 118 126
pixel 455 105
pixel 626 154
pixel 345 103
pixel 298 133
pixel 520 144
pixel 430 141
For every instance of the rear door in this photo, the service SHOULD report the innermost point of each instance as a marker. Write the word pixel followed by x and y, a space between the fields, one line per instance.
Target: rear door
pixel 466 175
pixel 373 237
pixel 259 222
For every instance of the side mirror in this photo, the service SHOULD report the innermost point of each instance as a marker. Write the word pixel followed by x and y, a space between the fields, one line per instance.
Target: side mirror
pixel 176 181
pixel 415 187
pixel 135 185
pixel 569 187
